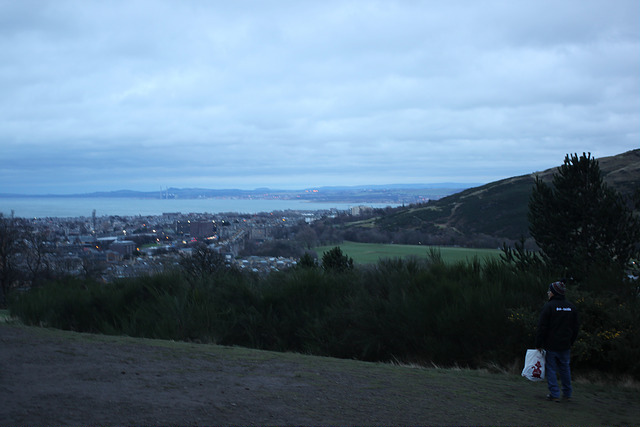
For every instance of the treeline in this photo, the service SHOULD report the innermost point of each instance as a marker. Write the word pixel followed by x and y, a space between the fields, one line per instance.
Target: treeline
pixel 408 310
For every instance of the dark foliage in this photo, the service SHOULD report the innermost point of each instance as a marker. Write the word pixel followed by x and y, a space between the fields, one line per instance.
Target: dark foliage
pixel 335 260
pixel 410 310
pixel 307 261
pixel 9 247
pixel 581 224
pixel 201 263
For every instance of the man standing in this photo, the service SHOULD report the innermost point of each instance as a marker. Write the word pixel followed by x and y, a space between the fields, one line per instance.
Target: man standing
pixel 557 331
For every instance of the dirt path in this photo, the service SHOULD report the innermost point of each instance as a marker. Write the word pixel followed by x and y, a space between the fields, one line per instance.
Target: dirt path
pixel 63 378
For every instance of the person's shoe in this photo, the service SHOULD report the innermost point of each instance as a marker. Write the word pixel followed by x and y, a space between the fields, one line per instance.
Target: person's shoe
pixel 566 399
pixel 552 399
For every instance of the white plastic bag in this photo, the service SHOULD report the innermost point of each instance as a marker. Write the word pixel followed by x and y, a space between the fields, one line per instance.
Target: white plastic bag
pixel 534 365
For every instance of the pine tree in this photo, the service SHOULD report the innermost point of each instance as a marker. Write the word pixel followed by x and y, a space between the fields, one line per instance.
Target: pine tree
pixel 580 223
pixel 335 260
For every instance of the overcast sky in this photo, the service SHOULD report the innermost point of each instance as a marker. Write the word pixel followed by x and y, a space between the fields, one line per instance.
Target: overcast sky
pixel 108 95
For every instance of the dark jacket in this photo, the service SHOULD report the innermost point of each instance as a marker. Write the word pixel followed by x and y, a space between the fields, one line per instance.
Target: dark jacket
pixel 558 325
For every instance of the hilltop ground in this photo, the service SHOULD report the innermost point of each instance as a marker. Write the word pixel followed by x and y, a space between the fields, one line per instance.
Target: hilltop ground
pixel 64 378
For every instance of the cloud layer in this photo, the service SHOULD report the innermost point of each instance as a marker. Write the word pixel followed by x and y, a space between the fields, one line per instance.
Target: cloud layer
pixel 143 94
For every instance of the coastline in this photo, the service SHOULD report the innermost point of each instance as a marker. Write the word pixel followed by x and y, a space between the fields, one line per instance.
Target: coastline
pixel 68 207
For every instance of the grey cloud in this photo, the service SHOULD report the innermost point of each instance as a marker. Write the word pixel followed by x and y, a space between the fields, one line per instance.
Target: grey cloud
pixel 264 92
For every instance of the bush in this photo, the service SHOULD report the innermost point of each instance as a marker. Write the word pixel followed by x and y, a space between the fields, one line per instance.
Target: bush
pixel 609 339
pixel 471 313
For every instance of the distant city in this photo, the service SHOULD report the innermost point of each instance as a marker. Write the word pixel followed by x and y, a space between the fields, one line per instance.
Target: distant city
pixel 107 247
pixel 110 247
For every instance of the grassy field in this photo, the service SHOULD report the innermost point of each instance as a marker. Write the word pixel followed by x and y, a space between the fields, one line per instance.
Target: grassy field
pixel 369 253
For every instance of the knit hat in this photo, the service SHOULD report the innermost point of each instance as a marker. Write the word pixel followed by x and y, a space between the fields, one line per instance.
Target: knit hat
pixel 557 288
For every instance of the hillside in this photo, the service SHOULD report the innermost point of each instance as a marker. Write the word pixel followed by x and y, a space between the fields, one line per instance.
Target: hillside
pixel 499 209
pixel 52 377
pixel 392 193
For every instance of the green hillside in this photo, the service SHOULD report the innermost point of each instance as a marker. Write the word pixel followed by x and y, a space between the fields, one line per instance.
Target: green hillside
pixel 499 209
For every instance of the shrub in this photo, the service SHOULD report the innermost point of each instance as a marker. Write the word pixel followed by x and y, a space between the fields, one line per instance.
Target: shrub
pixel 609 339
pixel 471 313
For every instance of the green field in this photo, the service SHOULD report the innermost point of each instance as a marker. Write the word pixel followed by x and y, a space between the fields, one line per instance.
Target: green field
pixel 370 253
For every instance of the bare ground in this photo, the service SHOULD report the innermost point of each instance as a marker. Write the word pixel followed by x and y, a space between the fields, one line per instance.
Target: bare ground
pixel 50 377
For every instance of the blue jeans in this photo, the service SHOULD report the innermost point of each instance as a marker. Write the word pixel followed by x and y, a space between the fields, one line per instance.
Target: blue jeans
pixel 557 362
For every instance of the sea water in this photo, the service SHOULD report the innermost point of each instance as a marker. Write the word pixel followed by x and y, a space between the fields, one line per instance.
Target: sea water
pixel 41 207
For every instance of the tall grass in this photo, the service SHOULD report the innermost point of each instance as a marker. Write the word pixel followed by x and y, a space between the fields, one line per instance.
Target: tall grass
pixel 414 310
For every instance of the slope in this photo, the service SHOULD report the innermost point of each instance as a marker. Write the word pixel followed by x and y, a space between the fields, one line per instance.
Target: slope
pixel 52 377
pixel 499 209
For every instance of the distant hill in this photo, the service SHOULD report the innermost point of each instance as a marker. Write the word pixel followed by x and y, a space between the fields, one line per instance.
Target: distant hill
pixel 499 209
pixel 392 193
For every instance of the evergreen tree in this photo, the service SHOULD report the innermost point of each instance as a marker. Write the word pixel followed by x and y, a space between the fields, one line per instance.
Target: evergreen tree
pixel 335 260
pixel 580 223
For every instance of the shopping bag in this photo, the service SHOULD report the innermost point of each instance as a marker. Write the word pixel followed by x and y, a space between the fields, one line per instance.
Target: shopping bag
pixel 534 365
